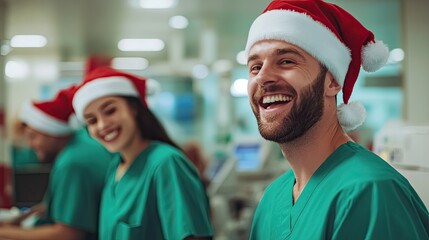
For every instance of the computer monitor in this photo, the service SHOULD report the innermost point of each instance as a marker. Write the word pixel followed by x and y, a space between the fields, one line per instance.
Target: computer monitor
pixel 248 155
pixel 30 184
pixel 252 154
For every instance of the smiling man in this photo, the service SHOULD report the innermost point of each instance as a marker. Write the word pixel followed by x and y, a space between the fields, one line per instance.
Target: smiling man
pixel 301 54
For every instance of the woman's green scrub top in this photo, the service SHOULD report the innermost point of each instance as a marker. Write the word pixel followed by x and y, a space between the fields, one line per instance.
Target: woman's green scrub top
pixel 354 194
pixel 160 196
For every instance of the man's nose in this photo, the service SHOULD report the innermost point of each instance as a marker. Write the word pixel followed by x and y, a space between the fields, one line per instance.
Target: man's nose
pixel 266 76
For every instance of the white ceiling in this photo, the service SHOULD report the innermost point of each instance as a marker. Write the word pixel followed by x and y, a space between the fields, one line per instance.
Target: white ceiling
pixel 217 30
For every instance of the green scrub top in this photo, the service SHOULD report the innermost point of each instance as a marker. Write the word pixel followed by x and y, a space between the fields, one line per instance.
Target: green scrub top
pixel 76 182
pixel 160 196
pixel 354 194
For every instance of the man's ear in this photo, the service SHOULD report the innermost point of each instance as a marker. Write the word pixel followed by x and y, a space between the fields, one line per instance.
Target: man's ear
pixel 331 85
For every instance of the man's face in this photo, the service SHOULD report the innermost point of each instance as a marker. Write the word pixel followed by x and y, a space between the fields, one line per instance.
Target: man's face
pixel 286 90
pixel 45 147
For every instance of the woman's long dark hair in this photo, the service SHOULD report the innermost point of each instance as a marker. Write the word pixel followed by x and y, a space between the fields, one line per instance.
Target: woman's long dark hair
pixel 150 127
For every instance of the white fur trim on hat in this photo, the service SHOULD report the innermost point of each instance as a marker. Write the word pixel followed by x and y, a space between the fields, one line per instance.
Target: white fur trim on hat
pixel 42 122
pixel 374 56
pixel 306 33
pixel 101 87
pixel 351 115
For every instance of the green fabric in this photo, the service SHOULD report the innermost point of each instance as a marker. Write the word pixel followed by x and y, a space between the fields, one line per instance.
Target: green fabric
pixel 159 197
pixel 23 156
pixel 76 183
pixel 353 195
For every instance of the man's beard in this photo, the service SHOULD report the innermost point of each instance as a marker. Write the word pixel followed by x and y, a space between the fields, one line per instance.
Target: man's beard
pixel 302 116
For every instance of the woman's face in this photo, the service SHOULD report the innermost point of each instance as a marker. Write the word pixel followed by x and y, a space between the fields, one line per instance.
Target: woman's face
pixel 111 121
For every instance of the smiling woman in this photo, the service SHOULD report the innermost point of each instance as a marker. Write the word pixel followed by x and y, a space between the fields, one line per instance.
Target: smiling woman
pixel 152 190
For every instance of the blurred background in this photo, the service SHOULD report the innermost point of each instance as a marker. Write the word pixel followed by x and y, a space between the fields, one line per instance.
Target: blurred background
pixel 193 52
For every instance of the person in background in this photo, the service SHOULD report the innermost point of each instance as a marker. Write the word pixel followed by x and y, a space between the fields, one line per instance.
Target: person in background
pixel 301 54
pixel 194 153
pixel 152 190
pixel 71 203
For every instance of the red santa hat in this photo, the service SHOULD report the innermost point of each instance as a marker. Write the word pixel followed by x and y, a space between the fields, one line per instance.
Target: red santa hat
pixel 331 35
pixel 50 117
pixel 106 81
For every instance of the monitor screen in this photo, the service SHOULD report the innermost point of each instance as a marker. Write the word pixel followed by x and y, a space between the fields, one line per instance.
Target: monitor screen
pixel 248 156
pixel 214 169
pixel 30 185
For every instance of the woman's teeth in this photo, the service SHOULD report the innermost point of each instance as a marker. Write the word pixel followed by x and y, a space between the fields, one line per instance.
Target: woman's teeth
pixel 111 136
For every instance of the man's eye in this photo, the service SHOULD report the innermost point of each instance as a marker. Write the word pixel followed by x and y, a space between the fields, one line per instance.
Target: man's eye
pixel 255 68
pixel 286 61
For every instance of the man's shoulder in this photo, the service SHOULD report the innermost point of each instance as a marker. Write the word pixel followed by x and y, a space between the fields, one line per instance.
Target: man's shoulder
pixel 370 185
pixel 357 164
pixel 357 171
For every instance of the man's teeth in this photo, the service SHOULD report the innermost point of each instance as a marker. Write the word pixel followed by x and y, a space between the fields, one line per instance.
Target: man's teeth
pixel 111 135
pixel 276 98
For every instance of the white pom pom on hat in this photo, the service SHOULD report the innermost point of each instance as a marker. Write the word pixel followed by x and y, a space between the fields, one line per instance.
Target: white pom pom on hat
pixel 374 56
pixel 351 115
pixel 331 35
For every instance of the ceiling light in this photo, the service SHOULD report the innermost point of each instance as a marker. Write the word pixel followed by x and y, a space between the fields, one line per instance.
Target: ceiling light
pixel 72 66
pixel 141 45
pixel 178 22
pixel 241 58
pixel 239 88
pixel 45 70
pixel 396 55
pixel 130 63
pixel 17 69
pixel 28 41
pixel 158 4
pixel 5 48
pixel 222 66
pixel 200 71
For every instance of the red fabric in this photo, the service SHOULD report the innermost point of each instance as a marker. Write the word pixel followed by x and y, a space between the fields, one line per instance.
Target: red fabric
pixel 103 72
pixel 347 29
pixel 95 61
pixel 5 186
pixel 1 117
pixel 60 107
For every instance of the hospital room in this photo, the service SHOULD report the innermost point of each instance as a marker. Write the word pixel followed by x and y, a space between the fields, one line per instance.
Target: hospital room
pixel 226 119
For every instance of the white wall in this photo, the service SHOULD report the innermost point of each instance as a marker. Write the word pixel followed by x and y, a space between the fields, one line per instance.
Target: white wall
pixel 416 66
pixel 16 94
pixel 418 179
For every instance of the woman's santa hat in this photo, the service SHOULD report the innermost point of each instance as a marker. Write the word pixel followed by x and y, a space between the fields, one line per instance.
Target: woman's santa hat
pixel 106 81
pixel 331 35
pixel 50 117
